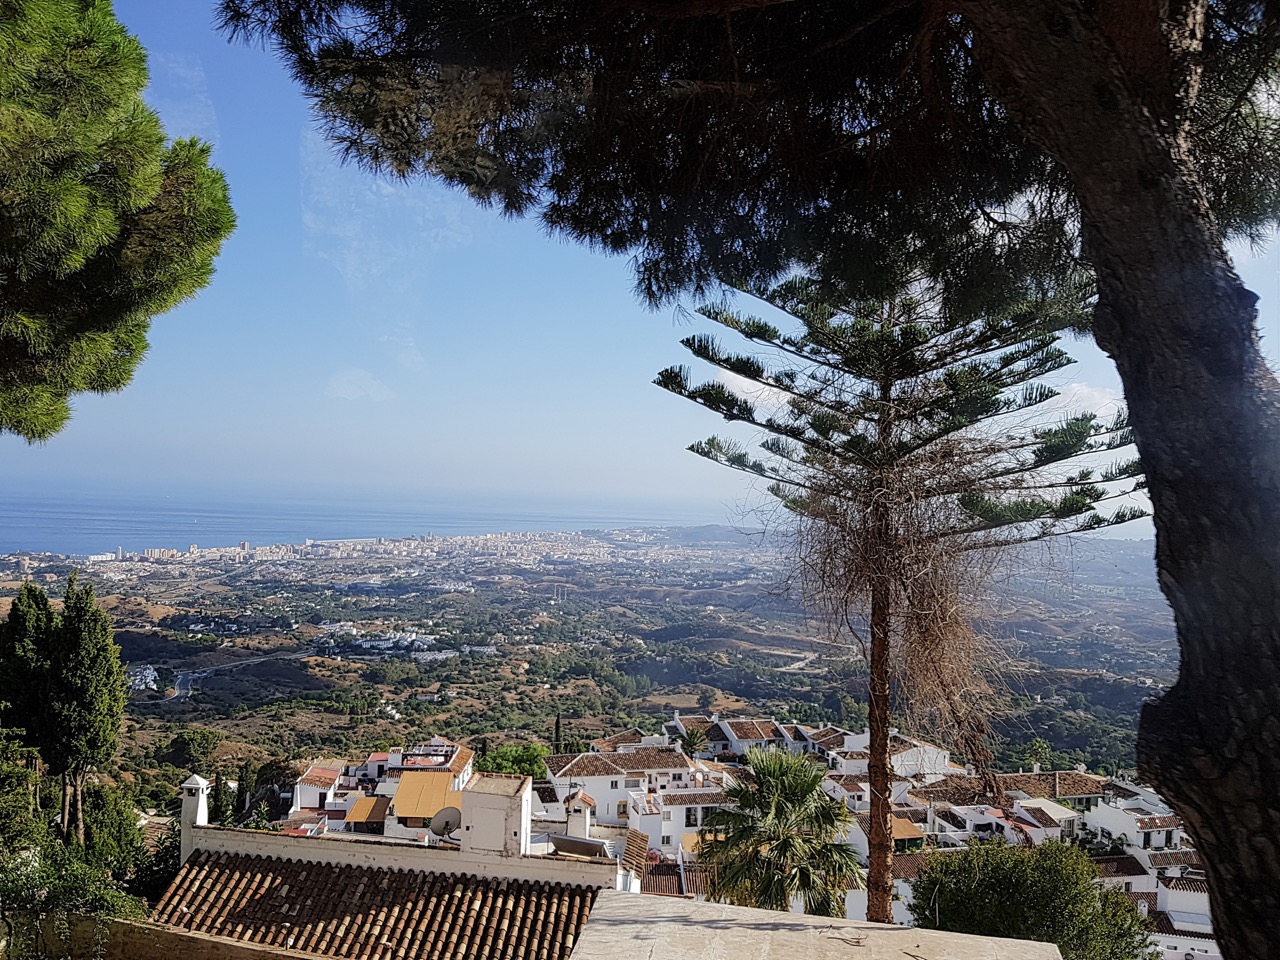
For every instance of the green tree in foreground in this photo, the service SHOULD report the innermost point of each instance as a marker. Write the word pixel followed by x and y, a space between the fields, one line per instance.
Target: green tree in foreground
pixel 904 440
pixel 102 225
pixel 524 758
pixel 86 694
pixel 780 839
pixel 1048 893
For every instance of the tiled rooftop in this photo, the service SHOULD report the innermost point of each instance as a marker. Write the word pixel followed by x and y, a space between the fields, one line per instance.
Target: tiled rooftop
pixel 1119 866
pixel 364 913
pixel 1185 884
pixel 963 789
pixel 611 744
pixel 693 798
pixel 1175 858
pixel 1158 823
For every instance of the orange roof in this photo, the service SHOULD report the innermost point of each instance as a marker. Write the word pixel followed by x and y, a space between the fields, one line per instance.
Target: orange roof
pixel 348 911
pixel 423 793
pixel 369 810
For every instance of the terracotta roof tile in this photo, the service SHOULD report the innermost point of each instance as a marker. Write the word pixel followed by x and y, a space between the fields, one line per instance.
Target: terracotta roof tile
pixel 1120 866
pixel 545 791
pixel 610 744
pixel 693 798
pixel 373 914
pixel 1186 884
pixel 1041 817
pixel 963 789
pixel 662 879
pixel 906 866
pixel 1175 858
pixel 320 777
pixel 636 850
pixel 754 729
pixel 1158 823
pixel 695 879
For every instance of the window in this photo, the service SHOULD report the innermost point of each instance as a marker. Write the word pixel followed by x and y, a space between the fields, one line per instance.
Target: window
pixel 1146 839
pixel 622 809
pixel 666 841
pixel 632 782
pixel 613 784
pixel 324 798
pixel 707 811
pixel 1168 838
pixel 666 814
pixel 677 776
pixel 690 816
pixel 1128 887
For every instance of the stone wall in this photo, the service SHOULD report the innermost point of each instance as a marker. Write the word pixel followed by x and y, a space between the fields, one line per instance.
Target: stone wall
pixel 86 938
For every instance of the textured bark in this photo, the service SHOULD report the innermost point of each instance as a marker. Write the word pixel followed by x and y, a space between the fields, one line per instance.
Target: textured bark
pixel 66 808
pixel 880 839
pixel 1205 410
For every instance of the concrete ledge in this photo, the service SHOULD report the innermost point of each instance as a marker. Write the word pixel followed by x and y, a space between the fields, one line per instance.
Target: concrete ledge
pixel 88 938
pixel 645 926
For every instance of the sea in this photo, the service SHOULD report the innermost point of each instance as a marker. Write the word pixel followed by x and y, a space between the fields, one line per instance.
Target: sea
pixel 82 523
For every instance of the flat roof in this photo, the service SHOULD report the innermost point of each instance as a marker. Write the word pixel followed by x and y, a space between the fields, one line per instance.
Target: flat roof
pixel 499 784
pixel 627 925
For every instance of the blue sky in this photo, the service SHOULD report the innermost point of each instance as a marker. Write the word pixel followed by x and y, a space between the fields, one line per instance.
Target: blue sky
pixel 386 341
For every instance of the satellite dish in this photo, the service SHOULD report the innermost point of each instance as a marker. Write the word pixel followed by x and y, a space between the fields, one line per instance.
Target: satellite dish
pixel 446 821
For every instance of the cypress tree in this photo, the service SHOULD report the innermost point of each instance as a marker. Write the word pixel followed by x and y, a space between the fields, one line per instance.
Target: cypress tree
pixel 86 699
pixel 904 439
pixel 247 785
pixel 102 224
pixel 24 639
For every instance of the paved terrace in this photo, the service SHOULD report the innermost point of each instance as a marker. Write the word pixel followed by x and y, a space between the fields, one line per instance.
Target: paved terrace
pixel 667 928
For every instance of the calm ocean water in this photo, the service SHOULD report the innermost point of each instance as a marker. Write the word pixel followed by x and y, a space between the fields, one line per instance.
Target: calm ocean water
pixel 96 524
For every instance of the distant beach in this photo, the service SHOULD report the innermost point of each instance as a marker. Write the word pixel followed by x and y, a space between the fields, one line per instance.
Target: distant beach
pixel 72 524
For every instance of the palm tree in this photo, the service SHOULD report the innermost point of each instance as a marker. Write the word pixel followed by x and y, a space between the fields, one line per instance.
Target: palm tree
pixel 781 839
pixel 692 740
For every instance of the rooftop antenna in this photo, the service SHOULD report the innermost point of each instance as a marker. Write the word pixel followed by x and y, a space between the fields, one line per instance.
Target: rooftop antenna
pixel 446 822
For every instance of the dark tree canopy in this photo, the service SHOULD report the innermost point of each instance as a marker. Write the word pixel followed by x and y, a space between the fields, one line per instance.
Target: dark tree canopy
pixel 729 140
pixel 102 225
pixel 1049 893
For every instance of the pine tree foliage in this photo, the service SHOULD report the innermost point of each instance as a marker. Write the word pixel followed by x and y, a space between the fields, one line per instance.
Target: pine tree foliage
pixel 102 224
pixel 935 402
pixel 726 141
pixel 779 839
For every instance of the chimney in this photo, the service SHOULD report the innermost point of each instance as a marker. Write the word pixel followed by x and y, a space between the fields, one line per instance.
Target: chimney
pixel 1035 768
pixel 195 813
pixel 1143 909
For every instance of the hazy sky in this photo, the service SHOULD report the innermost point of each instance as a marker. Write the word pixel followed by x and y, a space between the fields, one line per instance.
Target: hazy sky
pixel 378 340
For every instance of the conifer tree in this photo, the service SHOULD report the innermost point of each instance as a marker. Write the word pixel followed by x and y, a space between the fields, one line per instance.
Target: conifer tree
pixel 86 692
pixel 24 638
pixel 247 785
pixel 903 438
pixel 102 225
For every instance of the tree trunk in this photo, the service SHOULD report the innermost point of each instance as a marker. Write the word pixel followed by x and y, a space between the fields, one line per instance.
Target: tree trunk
pixel 880 839
pixel 79 807
pixel 66 807
pixel 1205 412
